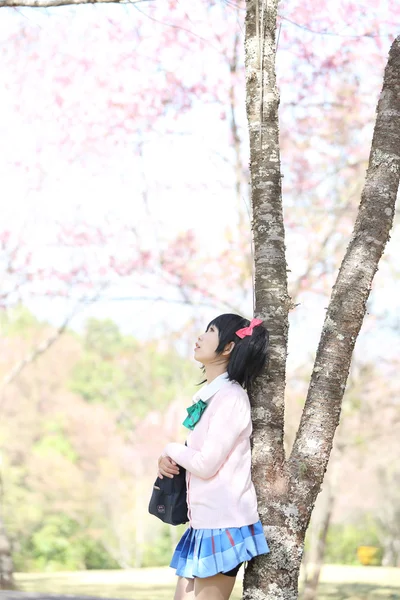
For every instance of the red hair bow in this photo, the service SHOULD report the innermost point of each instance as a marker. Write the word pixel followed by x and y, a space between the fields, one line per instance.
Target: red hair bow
pixel 248 330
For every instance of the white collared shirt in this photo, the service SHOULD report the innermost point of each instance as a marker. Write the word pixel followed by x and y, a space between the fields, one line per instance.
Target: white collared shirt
pixel 208 390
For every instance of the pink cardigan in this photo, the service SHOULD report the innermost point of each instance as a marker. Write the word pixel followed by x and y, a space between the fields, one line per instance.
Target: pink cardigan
pixel 217 460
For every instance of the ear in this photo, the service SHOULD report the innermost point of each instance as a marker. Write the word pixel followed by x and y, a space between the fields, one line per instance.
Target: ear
pixel 228 348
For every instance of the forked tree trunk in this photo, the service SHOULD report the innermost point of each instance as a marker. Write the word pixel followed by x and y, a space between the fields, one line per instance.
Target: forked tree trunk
pixel 287 489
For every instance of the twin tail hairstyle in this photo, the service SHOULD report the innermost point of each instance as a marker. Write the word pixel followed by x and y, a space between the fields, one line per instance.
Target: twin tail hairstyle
pixel 250 354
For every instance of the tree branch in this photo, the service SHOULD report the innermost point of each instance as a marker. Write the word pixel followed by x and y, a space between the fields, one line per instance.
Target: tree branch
pixel 311 450
pixel 54 3
pixel 45 344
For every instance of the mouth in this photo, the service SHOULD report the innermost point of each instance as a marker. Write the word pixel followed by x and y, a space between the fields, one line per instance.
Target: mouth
pixel 196 347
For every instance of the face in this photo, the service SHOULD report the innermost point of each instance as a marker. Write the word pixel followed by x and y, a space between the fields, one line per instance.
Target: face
pixel 207 343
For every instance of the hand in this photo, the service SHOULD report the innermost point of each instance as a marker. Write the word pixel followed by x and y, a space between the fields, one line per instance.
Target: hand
pixel 167 467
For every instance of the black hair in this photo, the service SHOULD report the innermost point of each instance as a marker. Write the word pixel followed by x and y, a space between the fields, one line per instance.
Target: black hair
pixel 249 355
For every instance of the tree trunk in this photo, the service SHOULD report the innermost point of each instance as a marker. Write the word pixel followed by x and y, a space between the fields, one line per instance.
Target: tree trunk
pixel 287 489
pixel 311 584
pixel 265 577
pixel 6 563
pixel 345 314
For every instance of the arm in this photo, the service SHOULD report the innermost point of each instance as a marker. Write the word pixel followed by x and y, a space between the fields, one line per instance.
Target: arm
pixel 230 419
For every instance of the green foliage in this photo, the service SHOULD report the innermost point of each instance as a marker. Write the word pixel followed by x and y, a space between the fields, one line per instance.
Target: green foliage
pixel 17 320
pixel 55 440
pixel 159 552
pixel 96 557
pixel 65 517
pixel 129 376
pixel 344 539
pixel 98 380
pixel 59 544
pixel 103 338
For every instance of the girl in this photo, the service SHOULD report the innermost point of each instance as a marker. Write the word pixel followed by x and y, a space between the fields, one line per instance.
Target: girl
pixel 224 526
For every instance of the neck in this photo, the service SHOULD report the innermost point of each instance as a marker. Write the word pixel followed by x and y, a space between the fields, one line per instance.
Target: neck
pixel 213 371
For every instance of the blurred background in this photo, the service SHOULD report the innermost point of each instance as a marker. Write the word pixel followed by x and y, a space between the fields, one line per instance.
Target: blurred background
pixel 126 227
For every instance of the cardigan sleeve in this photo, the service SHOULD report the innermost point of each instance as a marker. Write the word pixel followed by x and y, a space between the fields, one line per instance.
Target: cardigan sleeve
pixel 229 421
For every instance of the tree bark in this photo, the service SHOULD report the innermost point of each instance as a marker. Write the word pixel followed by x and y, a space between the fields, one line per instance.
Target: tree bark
pixel 263 578
pixel 6 563
pixel 311 583
pixel 287 489
pixel 347 307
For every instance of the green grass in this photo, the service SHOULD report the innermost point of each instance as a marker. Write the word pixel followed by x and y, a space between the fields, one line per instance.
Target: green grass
pixel 337 583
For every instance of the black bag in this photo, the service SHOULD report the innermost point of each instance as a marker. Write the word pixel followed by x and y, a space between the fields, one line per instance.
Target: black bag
pixel 168 500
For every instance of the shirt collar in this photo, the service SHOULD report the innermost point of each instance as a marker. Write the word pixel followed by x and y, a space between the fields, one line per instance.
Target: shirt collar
pixel 212 388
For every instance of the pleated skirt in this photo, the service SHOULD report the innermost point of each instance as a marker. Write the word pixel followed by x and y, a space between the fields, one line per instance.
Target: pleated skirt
pixel 206 552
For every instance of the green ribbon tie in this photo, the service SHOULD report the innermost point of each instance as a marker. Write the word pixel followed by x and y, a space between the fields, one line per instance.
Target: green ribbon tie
pixel 194 413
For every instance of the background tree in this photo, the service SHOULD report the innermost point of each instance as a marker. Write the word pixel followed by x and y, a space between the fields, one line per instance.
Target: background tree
pixel 92 266
pixel 369 421
pixel 76 451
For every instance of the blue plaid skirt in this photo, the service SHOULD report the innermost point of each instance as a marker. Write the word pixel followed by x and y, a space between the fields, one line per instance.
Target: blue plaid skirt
pixel 206 552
